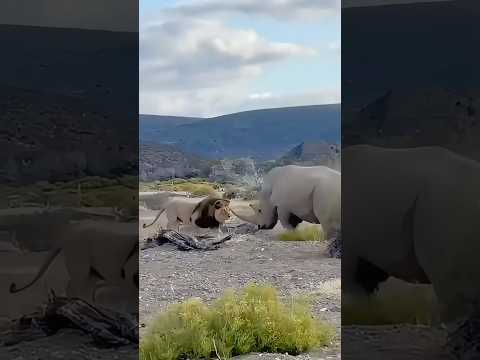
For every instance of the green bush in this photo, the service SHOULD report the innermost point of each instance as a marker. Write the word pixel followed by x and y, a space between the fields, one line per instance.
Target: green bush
pixel 409 304
pixel 253 320
pixel 306 233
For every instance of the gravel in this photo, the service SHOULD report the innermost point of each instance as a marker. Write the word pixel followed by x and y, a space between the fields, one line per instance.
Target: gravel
pixel 295 268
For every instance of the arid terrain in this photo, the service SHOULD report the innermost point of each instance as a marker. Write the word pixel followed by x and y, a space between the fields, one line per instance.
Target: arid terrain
pixel 67 343
pixel 168 275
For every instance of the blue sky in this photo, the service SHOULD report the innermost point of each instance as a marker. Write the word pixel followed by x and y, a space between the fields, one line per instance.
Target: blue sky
pixel 212 57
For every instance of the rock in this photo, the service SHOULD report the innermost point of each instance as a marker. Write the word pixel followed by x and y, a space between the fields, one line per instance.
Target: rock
pixel 334 246
pixel 464 341
pixel 241 229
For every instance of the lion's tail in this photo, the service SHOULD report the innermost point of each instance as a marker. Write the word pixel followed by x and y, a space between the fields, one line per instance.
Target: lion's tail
pixel 46 264
pixel 154 220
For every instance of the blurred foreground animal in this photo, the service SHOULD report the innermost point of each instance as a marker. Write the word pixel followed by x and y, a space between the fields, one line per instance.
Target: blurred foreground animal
pixel 94 251
pixel 39 228
pixel 210 212
pixel 412 214
pixel 155 201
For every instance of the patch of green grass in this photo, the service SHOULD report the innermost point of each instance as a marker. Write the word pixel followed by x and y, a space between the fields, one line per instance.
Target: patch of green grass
pixel 252 320
pixel 88 191
pixel 414 304
pixel 306 233
pixel 194 186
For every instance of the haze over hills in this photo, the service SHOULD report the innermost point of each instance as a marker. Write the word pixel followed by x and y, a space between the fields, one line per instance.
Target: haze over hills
pixel 158 162
pixel 416 94
pixel 62 102
pixel 58 61
pixel 436 51
pixel 261 134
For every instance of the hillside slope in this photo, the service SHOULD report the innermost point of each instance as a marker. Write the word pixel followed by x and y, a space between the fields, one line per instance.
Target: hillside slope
pixel 158 162
pixel 260 134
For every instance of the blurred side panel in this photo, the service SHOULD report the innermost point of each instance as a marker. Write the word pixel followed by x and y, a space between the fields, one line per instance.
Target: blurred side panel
pixel 411 175
pixel 69 179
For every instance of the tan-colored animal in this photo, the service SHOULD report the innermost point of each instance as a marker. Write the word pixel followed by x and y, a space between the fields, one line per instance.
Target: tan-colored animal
pixel 229 194
pixel 93 251
pixel 37 229
pixel 156 200
pixel 210 212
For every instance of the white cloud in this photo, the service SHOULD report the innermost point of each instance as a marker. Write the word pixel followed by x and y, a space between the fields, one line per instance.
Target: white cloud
pixel 264 95
pixel 325 96
pixel 280 9
pixel 202 67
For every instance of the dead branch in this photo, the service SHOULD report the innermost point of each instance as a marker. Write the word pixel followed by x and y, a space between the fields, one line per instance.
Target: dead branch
pixel 185 242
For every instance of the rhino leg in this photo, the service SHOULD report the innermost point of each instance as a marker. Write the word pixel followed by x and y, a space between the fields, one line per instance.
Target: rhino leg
pixel 288 220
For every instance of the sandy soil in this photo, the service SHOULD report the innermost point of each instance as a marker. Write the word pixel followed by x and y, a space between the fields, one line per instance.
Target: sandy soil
pixel 168 275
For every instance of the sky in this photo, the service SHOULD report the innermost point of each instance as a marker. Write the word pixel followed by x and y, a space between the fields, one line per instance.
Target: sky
pixel 205 58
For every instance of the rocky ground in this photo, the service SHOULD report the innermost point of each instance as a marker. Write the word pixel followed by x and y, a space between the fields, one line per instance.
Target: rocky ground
pixel 168 275
pixel 67 344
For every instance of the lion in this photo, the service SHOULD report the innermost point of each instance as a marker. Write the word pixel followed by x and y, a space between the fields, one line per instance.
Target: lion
pixel 93 251
pixel 210 212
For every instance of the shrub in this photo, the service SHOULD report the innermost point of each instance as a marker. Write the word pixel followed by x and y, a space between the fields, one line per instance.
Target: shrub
pixel 407 304
pixel 253 320
pixel 306 233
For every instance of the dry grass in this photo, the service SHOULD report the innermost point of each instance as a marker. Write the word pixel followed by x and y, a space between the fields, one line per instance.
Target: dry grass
pixel 196 187
pixel 89 191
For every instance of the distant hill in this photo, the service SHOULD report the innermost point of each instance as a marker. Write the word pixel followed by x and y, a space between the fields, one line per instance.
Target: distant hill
pixel 159 162
pixel 83 64
pixel 260 134
pixel 426 117
pixel 308 154
pixel 65 112
pixel 311 154
pixel 414 49
pixel 415 83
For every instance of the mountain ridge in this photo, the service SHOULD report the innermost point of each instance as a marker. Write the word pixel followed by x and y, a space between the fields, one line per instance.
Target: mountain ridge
pixel 262 134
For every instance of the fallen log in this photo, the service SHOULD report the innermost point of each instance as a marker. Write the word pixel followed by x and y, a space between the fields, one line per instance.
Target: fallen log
pixel 185 242
pixel 107 328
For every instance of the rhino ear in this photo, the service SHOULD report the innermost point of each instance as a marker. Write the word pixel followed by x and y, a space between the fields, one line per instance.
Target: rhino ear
pixel 218 204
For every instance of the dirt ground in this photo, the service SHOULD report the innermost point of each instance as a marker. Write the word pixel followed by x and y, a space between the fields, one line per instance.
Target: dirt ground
pixel 66 344
pixel 168 275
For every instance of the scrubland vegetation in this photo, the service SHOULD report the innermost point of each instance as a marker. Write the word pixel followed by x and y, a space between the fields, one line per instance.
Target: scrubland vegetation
pixel 304 233
pixel 251 320
pixel 194 186
pixel 89 191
